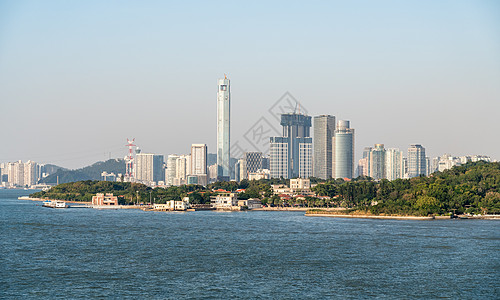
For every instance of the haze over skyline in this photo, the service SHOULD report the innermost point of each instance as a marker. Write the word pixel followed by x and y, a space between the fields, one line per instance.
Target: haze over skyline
pixel 79 78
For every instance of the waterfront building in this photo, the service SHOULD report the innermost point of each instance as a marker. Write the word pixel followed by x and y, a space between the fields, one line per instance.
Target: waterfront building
pixel 417 164
pixel 324 129
pixel 223 129
pixel 291 154
pixel 225 200
pixel 148 168
pixel 343 151
pixel 199 159
pixel 393 164
pixel 104 199
pixel 377 162
pixel 250 203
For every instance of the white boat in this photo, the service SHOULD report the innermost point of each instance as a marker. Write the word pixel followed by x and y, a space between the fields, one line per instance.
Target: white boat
pixel 54 204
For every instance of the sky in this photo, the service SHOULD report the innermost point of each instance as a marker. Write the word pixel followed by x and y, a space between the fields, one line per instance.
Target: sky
pixel 77 78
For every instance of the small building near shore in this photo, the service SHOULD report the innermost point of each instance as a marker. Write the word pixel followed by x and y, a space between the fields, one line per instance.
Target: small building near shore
pixel 225 201
pixel 171 205
pixel 104 199
pixel 250 203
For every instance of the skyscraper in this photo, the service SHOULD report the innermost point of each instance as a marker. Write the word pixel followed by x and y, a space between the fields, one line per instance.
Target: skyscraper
pixel 223 129
pixel 343 150
pixel 377 162
pixel 171 169
pixel 324 129
pixel 417 164
pixel 393 164
pixel 198 159
pixel 291 154
pixel 252 161
pixel 149 167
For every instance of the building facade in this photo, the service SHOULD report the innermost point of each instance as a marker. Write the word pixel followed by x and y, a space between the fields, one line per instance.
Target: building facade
pixel 394 164
pixel 343 151
pixel 148 168
pixel 377 162
pixel 223 129
pixel 199 159
pixel 324 129
pixel 296 144
pixel 417 164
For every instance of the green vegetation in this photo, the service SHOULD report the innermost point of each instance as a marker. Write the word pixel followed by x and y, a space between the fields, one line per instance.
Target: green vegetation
pixel 92 172
pixel 472 188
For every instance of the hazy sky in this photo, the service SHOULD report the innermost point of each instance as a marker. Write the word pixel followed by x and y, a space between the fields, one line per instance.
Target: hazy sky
pixel 79 77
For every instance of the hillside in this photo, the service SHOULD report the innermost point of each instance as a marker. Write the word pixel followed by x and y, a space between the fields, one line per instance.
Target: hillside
pixel 92 172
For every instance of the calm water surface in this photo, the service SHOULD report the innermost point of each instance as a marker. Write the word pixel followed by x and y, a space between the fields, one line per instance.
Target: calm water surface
pixel 86 253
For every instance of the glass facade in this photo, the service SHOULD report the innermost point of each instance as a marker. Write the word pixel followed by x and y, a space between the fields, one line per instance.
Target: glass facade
pixel 324 128
pixel 223 129
pixel 343 150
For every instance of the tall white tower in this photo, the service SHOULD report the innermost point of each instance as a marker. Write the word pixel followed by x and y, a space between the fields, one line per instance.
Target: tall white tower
pixel 223 129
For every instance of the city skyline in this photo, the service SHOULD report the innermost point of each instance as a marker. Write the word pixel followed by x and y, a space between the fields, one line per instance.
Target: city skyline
pixel 430 80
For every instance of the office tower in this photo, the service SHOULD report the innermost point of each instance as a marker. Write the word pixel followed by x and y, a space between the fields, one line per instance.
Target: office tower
pixel 324 128
pixel 223 129
pixel 427 166
pixel 252 161
pixel 393 164
pixel 364 163
pixel 265 163
pixel 416 161
pixel 291 154
pixel 182 169
pixel 239 170
pixel 30 173
pixel 343 151
pixel 149 168
pixel 278 160
pixel 377 162
pixel 171 169
pixel 199 159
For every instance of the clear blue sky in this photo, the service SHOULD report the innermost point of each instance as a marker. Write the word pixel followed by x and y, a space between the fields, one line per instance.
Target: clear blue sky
pixel 79 77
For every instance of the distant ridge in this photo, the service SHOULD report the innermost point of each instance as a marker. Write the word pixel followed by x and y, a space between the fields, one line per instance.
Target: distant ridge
pixel 92 172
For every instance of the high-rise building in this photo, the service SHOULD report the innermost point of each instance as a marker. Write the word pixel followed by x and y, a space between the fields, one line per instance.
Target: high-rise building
pixel 171 169
pixel 393 164
pixel 252 161
pixel 364 163
pixel 377 162
pixel 417 164
pixel 291 154
pixel 324 129
pixel 278 161
pixel 343 151
pixel 149 168
pixel 199 159
pixel 223 129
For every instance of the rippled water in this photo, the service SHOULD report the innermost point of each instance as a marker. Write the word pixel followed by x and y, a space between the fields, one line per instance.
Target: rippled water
pixel 86 253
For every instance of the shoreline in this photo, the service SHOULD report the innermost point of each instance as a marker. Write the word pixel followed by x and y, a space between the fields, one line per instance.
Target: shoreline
pixel 416 218
pixel 42 199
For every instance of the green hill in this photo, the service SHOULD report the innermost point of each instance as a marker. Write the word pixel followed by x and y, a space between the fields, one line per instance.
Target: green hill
pixel 92 172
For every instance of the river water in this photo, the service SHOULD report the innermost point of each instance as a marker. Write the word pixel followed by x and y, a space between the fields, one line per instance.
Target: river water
pixel 87 253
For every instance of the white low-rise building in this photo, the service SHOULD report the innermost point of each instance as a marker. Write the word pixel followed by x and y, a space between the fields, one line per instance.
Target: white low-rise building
pixel 225 200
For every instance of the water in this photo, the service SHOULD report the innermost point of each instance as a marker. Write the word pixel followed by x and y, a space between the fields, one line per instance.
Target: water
pixel 86 253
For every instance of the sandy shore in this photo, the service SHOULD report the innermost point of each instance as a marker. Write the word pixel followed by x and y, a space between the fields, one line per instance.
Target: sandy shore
pixel 293 209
